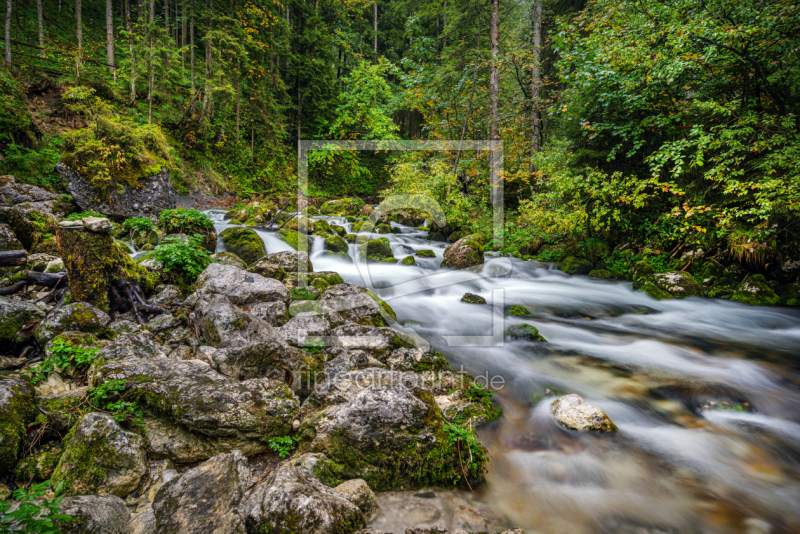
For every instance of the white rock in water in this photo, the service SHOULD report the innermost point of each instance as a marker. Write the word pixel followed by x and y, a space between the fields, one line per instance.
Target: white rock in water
pixel 576 414
pixel 98 225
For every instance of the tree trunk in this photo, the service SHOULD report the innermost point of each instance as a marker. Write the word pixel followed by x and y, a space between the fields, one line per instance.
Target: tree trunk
pixel 9 9
pixel 494 73
pixel 13 257
pixel 79 25
pixel 191 48
pixel 129 27
pixel 150 73
pixel 209 60
pixel 183 35
pixel 110 37
pixel 41 27
pixel 536 85
pixel 375 27
pixel 166 16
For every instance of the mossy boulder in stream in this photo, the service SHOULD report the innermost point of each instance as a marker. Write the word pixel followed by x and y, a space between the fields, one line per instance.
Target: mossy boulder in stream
pixel 344 206
pixel 377 249
pixel 243 242
pixel 677 284
pixel 295 239
pixel 471 298
pixel 576 266
pixel 755 291
pixel 426 253
pixel 335 243
pixel 524 332
pixel 465 253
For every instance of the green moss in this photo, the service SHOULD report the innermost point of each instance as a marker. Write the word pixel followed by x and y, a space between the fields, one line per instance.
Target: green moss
pixel 382 303
pixel 344 206
pixel 335 243
pixel 426 253
pixel 649 288
pixel 603 274
pixel 408 260
pixel 245 243
pixel 518 311
pixel 470 298
pixel 13 422
pixel 524 332
pixel 755 291
pixel 575 266
pixel 39 465
pixel 295 239
pixel 377 249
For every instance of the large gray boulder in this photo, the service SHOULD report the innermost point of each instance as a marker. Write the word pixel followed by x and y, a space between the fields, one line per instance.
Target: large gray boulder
pixel 14 314
pixel 13 193
pixel 30 221
pixel 95 514
pixel 274 313
pixel 576 414
pixel 241 287
pixel 16 409
pixel 290 261
pixel 101 458
pixel 152 195
pixel 170 441
pixel 345 303
pixel 291 500
pixel 379 341
pixel 225 412
pixel 302 326
pixel 224 324
pixel 132 346
pixel 205 499
pixel 75 317
pixel 358 492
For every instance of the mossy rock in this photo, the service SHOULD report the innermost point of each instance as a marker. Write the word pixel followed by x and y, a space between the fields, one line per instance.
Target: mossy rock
pixel 46 246
pixel 357 226
pixel 524 332
pixel 188 222
pixel 335 243
pixel 576 266
pixel 790 294
pixel 377 249
pixel 350 238
pixel 229 258
pixel 30 223
pixel 471 298
pixel 649 288
pixel 351 218
pixel 344 206
pixel 602 274
pixel 426 253
pixel 325 226
pixel 40 464
pixel 295 239
pixel 755 291
pixel 306 225
pixel 149 237
pixel 517 311
pixel 465 253
pixel 258 211
pixel 245 243
pixel 17 408
pixel 642 269
pixel 408 260
pixel 384 229
pixel 678 284
pixel 338 230
pixel 309 211
pixel 385 308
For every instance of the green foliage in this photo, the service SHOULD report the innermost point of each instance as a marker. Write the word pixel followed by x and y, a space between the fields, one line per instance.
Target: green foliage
pixel 33 166
pixel 37 512
pixel 283 445
pixel 81 215
pixel 182 257
pixel 472 454
pixel 111 396
pixel 62 353
pixel 138 225
pixel 314 347
pixel 182 220
pixel 477 392
pixel 303 294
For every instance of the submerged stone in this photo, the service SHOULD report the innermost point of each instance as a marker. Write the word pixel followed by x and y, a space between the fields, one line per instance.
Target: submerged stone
pixel 576 414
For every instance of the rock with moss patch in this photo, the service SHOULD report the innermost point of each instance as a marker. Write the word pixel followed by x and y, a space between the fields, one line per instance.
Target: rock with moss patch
pixel 229 258
pixel 8 240
pixel 603 274
pixel 465 253
pixel 30 221
pixel 204 499
pixel 677 284
pixel 268 269
pixel 224 324
pixel 343 303
pixel 40 464
pixel 417 360
pixel 292 501
pixel 426 253
pixel 378 341
pixel 291 261
pixel 524 332
pixel 359 493
pixel 651 289
pixel 576 414
pixel 95 514
pixel 377 249
pixel 335 243
pixel 329 278
pixel 243 242
pixel 344 206
pixel 302 326
pixel 48 245
pixel 576 266
pixel 295 239
pixel 755 291
pixel 14 314
pixel 471 298
pixel 243 288
pixel 408 260
pixel 38 262
pixel 384 427
pixel 517 311
pixel 75 317
pixel 17 408
pixel 101 458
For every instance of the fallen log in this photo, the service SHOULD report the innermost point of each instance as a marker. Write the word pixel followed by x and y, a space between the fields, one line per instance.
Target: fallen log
pixel 34 278
pixel 9 258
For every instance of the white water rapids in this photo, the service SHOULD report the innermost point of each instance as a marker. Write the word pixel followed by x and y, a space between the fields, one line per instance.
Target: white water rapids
pixel 653 366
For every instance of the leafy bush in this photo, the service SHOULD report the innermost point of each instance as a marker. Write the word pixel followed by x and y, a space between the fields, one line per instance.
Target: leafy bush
pixel 137 225
pixel 36 512
pixel 62 354
pixel 181 221
pixel 182 257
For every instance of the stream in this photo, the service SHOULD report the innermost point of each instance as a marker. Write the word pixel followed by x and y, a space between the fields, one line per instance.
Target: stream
pixel 704 393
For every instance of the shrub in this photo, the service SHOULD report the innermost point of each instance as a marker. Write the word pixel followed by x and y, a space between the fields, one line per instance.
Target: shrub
pixel 181 221
pixel 182 257
pixel 36 512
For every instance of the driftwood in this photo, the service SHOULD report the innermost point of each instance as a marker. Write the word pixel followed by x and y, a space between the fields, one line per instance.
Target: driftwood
pixel 10 258
pixel 132 293
pixel 53 280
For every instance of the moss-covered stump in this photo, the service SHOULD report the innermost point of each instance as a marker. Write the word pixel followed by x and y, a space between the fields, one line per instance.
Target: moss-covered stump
pixel 94 262
pixel 17 408
pixel 245 243
pixel 464 253
pixel 344 206
pixel 575 266
pixel 295 239
pixel 377 249
pixel 755 291
pixel 100 458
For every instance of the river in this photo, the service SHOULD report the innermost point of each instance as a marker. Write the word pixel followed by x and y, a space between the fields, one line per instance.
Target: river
pixel 704 393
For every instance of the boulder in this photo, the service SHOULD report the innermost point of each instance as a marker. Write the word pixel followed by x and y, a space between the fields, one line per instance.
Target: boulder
pixel 274 313
pixel 302 326
pixel 228 413
pixel 426 253
pixel 136 345
pixel 357 492
pixel 377 249
pixel 8 240
pixel 30 221
pixel 225 325
pixel 417 360
pixel 342 207
pixel 755 291
pixel 169 441
pixel 205 499
pixel 377 341
pixel 12 192
pixel 97 225
pixel 38 262
pixel 229 258
pixel 295 239
pixel 464 253
pixel 471 298
pixel 242 288
pixel 101 458
pixel 291 261
pixel 576 414
pixel 14 314
pixel 95 514
pixel 336 243
pixel 576 266
pixel 677 284
pixel 292 501
pixel 243 242
pixel 345 303
pixel 48 245
pixel 385 427
pixel 268 269
pixel 524 332
pixel 75 317
pixel 16 410
pixel 166 296
pixel 408 260
pixel 39 464
pixel 151 195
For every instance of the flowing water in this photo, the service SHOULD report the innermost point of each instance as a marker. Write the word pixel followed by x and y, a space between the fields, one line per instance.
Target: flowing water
pixel 704 392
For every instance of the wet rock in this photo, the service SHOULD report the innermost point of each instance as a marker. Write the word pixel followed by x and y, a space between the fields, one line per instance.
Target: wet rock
pixel 295 239
pixel 290 500
pixel 101 458
pixel 242 288
pixel 229 258
pixel 16 409
pixel 574 413
pixel 55 266
pixel 268 269
pixel 336 243
pixel 14 314
pixel 408 260
pixel 377 250
pixel 205 499
pixel 40 464
pixel 95 514
pixel 416 360
pixel 291 261
pixel 576 266
pixel 464 253
pixel 75 317
pixel 243 242
pixel 344 303
pixel 167 296
pixel 678 284
pixel 358 492
pixel 229 414
pixel 151 195
pixel 524 332
pixel 225 325
pixel 426 253
pixel 470 298
pixel 304 325
pixel 755 291
pixel 8 240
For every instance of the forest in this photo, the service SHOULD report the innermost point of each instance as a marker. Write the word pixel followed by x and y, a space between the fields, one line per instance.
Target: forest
pixel 672 125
